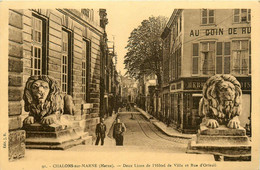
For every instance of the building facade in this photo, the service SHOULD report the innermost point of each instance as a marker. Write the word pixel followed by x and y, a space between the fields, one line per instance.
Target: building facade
pixel 148 97
pixel 62 43
pixel 199 43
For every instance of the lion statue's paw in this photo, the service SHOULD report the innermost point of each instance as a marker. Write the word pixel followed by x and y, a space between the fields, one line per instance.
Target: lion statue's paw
pixel 29 120
pixel 49 120
pixel 212 123
pixel 234 123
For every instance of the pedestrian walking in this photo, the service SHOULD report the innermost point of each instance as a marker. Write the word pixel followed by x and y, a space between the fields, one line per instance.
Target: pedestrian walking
pixel 118 132
pixel 101 131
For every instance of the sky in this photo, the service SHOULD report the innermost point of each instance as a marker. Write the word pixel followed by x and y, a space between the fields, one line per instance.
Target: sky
pixel 123 19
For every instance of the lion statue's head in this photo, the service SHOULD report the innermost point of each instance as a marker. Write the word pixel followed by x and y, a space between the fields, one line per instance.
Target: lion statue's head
pixel 42 99
pixel 221 101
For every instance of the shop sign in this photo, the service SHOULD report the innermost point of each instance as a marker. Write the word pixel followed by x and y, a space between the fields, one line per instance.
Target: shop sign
pixel 220 31
pixel 193 85
pixel 245 84
pixel 198 84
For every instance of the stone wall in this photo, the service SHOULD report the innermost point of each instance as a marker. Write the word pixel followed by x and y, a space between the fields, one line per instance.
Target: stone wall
pixel 19 60
pixel 15 84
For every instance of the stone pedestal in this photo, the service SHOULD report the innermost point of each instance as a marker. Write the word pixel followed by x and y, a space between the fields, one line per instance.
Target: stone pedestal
pixel 54 136
pixel 16 144
pixel 233 144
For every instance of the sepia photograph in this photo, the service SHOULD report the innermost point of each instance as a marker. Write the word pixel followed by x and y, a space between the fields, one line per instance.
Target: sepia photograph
pixel 129 85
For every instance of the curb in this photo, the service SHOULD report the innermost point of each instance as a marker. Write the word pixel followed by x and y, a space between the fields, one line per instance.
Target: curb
pixel 154 122
pixel 175 136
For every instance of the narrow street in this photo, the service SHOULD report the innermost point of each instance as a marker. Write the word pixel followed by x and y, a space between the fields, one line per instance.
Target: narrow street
pixel 141 135
pixel 140 132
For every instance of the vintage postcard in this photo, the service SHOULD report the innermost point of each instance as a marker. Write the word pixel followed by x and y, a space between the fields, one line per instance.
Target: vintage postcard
pixel 129 85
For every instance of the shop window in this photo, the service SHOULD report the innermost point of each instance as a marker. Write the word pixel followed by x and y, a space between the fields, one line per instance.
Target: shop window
pixel 195 58
pixel 207 58
pixel 38 46
pixel 66 64
pixel 176 108
pixel 86 70
pixel 240 54
pixel 179 107
pixel 223 58
pixel 241 15
pixel 207 16
pixel 195 120
pixel 172 107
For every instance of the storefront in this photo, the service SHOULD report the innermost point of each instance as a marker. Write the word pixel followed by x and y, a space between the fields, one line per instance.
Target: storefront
pixel 184 100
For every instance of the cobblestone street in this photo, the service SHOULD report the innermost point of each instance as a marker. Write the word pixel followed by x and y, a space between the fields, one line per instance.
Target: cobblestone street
pixel 141 135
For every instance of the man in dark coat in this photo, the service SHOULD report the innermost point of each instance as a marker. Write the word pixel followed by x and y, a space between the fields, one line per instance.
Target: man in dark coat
pixel 118 132
pixel 101 131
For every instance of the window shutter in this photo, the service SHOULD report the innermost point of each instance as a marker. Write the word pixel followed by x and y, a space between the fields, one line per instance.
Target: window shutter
pixel 196 49
pixel 219 65
pixel 219 48
pixel 227 48
pixel 195 65
pixel 227 65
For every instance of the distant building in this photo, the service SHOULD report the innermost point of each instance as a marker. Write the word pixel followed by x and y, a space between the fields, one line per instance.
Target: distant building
pixel 199 43
pixel 147 98
pixel 128 89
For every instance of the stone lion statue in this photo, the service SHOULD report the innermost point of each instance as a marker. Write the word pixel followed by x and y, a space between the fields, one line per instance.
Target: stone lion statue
pixel 44 102
pixel 221 101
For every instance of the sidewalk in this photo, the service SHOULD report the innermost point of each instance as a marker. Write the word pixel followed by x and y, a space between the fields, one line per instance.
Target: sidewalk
pixel 109 141
pixel 109 122
pixel 167 130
